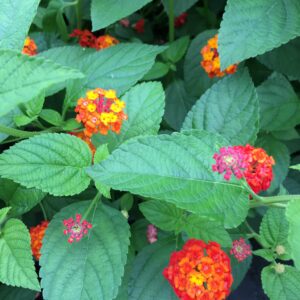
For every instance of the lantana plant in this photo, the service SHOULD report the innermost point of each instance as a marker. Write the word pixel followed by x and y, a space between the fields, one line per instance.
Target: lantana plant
pixel 149 150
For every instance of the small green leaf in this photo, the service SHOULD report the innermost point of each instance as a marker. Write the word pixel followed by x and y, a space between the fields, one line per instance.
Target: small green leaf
pixel 101 153
pixel 253 27
pixel 54 163
pixel 158 70
pixel 176 50
pixel 267 254
pixel 295 167
pixel 281 286
pixel 89 269
pixel 163 215
pixel 3 213
pixel 17 266
pixel 126 202
pixel 230 108
pixel 279 104
pixel 207 229
pixel 292 215
pixel 106 12
pixel 22 120
pixel 147 281
pixel 51 116
pixel 14 293
pixel 70 124
pixel 179 6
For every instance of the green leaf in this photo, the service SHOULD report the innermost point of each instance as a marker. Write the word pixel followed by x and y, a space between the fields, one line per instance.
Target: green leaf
pixel 52 162
pixel 179 6
pixel 266 254
pixel 147 281
pixel 118 67
pixel 196 79
pixel 178 104
pixel 89 269
pixel 163 215
pixel 20 199
pixel 15 19
pixel 51 116
pixel 70 124
pixel 17 266
pixel 175 168
pixel 230 108
pixel 207 229
pixel 126 202
pixel 295 167
pixel 144 107
pixel 33 76
pixel 281 155
pixel 286 135
pixel 253 27
pixel 283 286
pixel 292 214
pixel 158 70
pixel 176 50
pixel 274 228
pixel 3 213
pixel 279 104
pixel 13 293
pixel 106 12
pixel 8 121
pixel 285 59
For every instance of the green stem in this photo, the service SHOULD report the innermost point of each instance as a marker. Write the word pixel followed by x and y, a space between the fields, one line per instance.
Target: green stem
pixel 17 132
pixel 91 206
pixel 43 211
pixel 78 9
pixel 11 141
pixel 253 234
pixel 273 201
pixel 171 21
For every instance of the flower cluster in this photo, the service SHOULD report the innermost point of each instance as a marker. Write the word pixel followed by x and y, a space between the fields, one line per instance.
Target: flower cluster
pixel 100 111
pixel 139 26
pixel 254 164
pixel 211 60
pixel 240 249
pixel 87 39
pixel 30 47
pixel 151 234
pixel 76 229
pixel 180 20
pixel 200 271
pixel 36 234
pixel 86 139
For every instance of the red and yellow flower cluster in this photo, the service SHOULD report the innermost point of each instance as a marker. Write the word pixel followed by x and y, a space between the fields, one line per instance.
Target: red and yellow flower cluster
pixel 100 111
pixel 36 234
pixel 87 39
pixel 29 47
pixel 254 164
pixel 200 271
pixel 211 60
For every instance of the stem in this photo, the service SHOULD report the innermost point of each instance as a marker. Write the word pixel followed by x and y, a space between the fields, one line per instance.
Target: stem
pixel 78 13
pixel 93 203
pixel 43 211
pixel 253 234
pixel 171 21
pixel 11 141
pixel 17 132
pixel 273 201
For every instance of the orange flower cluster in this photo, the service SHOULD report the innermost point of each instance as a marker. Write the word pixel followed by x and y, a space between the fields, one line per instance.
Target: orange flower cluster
pixel 87 39
pixel 211 60
pixel 86 139
pixel 100 111
pixel 37 233
pixel 200 271
pixel 30 47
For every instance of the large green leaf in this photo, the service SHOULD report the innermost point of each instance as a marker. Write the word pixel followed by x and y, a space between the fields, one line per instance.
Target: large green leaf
pixel 51 162
pixel 281 155
pixel 230 108
pixel 144 107
pixel 292 214
pixel 285 59
pixel 15 19
pixel 274 229
pixel 20 199
pixel 196 79
pixel 33 75
pixel 279 104
pixel 14 293
pixel 178 103
pixel 179 6
pixel 253 27
pixel 118 67
pixel 17 266
pixel 89 269
pixel 147 281
pixel 106 12
pixel 281 286
pixel 175 168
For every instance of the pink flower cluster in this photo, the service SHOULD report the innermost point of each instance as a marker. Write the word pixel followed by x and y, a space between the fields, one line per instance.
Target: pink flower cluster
pixel 151 234
pixel 76 229
pixel 240 249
